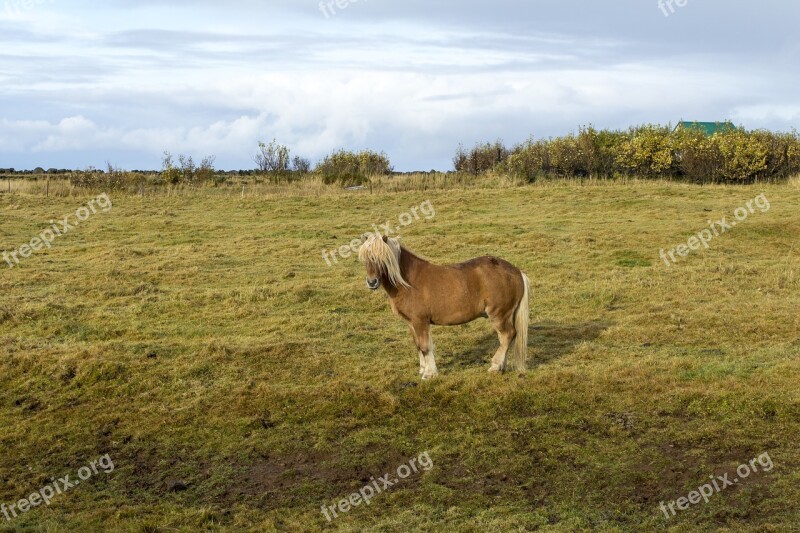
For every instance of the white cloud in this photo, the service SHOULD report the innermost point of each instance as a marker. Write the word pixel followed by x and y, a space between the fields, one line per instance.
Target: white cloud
pixel 134 81
pixel 765 114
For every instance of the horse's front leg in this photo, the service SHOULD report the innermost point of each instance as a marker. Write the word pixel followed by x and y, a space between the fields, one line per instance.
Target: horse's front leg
pixel 421 357
pixel 424 342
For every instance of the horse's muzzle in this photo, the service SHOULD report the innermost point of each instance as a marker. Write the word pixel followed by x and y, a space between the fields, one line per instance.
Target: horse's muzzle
pixel 373 284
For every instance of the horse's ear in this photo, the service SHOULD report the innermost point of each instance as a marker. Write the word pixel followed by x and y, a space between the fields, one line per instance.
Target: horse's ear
pixel 386 239
pixel 364 237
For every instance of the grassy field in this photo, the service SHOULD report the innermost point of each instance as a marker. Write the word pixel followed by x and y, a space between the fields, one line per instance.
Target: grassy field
pixel 239 382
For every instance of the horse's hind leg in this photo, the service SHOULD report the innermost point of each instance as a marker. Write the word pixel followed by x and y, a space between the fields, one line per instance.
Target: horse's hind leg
pixel 506 333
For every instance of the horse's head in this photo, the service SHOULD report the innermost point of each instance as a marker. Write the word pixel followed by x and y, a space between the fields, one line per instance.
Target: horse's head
pixel 381 255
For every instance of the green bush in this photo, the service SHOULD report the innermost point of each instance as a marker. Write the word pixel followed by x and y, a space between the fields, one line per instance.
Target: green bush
pixel 115 179
pixel 529 160
pixel 565 157
pixel 187 171
pixel 482 158
pixel 743 155
pixel 353 168
pixel 647 152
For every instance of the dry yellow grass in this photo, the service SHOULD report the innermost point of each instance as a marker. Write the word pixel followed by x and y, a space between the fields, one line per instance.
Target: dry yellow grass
pixel 201 337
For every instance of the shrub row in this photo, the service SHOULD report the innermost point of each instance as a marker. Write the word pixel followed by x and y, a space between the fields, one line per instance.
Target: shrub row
pixel 274 162
pixel 646 151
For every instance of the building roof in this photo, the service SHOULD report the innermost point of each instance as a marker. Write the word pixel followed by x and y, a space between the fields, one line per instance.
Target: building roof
pixel 709 128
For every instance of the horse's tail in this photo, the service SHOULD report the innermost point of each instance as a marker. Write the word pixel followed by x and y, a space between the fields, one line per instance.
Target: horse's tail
pixel 521 319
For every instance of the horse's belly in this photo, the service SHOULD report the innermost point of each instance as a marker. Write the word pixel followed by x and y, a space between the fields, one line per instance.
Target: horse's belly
pixel 455 313
pixel 457 321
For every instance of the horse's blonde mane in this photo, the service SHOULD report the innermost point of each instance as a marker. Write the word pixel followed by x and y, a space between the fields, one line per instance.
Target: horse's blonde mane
pixel 384 255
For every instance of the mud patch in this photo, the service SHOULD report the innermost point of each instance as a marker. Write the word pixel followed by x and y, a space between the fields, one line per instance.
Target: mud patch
pixel 279 480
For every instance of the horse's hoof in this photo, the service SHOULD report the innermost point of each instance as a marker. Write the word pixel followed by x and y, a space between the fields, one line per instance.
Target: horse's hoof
pixel 428 377
pixel 495 369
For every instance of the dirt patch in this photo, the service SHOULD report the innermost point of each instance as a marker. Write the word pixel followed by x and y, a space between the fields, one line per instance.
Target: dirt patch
pixel 282 479
pixel 682 473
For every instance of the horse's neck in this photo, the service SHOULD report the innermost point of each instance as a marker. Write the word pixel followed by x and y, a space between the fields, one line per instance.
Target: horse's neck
pixel 409 264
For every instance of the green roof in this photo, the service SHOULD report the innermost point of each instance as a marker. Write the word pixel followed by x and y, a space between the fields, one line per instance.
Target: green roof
pixel 709 128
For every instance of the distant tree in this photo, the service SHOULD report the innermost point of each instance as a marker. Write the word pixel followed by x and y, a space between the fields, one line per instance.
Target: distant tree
pixel 206 172
pixel 301 165
pixel 188 168
pixel 460 159
pixel 169 171
pixel 272 158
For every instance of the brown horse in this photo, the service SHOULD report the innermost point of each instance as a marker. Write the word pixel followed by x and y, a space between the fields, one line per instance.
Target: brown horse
pixel 424 294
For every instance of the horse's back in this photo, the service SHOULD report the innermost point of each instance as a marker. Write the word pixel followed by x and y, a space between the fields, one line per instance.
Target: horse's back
pixel 491 267
pixel 497 280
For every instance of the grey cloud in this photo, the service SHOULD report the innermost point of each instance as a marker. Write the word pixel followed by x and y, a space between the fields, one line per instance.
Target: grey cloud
pixel 493 69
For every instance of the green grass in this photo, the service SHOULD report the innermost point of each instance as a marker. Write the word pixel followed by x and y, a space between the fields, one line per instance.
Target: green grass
pixel 203 338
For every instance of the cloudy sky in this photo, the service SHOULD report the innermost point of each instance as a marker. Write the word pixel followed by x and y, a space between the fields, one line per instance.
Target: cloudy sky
pixel 123 80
